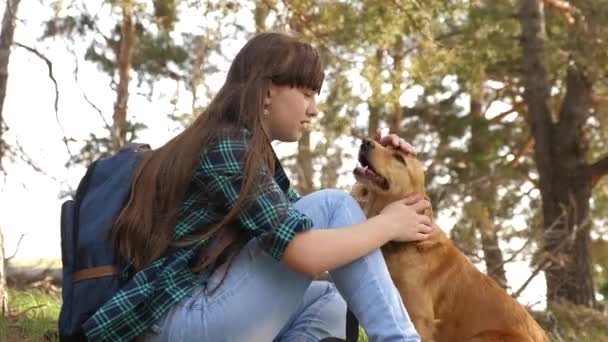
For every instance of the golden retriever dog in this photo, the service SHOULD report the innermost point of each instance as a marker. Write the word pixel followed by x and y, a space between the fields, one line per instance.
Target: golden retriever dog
pixel 448 299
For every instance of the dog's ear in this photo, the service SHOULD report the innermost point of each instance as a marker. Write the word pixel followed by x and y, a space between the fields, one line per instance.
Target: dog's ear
pixel 360 193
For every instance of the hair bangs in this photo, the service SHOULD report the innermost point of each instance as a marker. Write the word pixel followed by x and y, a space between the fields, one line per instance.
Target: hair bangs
pixel 303 68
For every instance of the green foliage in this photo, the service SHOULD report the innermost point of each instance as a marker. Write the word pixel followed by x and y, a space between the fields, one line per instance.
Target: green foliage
pixel 33 316
pixel 69 26
pixel 570 323
pixel 100 146
pixel 165 12
pixel 600 257
pixel 154 50
pixel 485 38
pixel 152 55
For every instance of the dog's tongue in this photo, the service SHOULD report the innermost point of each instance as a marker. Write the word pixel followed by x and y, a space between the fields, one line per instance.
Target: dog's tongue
pixel 364 171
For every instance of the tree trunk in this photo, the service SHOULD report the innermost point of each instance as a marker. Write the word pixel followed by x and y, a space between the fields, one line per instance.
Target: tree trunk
pixel 375 102
pixel 304 165
pixel 329 171
pixel 484 192
pixel 3 293
pixel 304 160
pixel 398 54
pixel 6 41
pixel 127 37
pixel 564 177
pixel 198 69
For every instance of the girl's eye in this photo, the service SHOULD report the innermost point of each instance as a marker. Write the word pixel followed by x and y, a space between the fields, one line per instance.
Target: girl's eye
pixel 308 93
pixel 400 158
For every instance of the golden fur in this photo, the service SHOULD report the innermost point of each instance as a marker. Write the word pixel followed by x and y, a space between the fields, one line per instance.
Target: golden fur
pixel 448 299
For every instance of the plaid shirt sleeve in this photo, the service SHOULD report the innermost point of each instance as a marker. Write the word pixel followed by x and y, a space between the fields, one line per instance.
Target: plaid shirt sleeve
pixel 293 195
pixel 269 215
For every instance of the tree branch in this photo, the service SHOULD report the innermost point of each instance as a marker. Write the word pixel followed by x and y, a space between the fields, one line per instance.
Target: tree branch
pixel 522 151
pixel 546 259
pixel 577 99
pixel 49 65
pixel 512 257
pixel 18 152
pixel 598 169
pixel 563 6
pixel 541 266
pixel 599 100
pixel 16 249
pixel 517 108
pixel 84 94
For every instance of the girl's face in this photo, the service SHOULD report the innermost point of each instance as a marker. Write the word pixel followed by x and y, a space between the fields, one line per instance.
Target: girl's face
pixel 290 112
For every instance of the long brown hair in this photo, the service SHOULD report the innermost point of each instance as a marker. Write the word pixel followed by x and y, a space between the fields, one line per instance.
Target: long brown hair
pixel 144 229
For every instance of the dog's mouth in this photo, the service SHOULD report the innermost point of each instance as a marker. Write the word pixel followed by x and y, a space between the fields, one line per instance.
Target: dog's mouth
pixel 366 171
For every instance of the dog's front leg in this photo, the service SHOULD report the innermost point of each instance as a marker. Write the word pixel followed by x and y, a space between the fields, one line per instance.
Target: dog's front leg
pixel 420 308
pixel 426 327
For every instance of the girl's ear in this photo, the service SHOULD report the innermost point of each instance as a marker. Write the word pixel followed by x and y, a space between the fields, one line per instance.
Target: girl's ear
pixel 270 93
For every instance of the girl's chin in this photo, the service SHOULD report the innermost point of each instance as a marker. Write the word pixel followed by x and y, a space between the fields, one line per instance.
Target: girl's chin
pixel 294 135
pixel 294 138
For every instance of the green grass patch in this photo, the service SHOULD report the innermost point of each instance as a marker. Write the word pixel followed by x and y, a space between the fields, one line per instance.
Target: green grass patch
pixel 33 316
pixel 571 323
pixel 362 335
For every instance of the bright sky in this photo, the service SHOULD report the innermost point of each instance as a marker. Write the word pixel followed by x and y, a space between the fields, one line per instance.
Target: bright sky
pixel 29 200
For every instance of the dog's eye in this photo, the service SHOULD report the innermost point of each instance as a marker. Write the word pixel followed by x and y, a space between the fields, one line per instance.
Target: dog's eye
pixel 400 158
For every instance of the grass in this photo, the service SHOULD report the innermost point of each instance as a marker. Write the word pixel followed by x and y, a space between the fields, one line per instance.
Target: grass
pixel 362 335
pixel 33 314
pixel 34 318
pixel 567 322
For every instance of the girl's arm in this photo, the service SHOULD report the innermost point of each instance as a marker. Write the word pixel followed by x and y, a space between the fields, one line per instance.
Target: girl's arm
pixel 318 250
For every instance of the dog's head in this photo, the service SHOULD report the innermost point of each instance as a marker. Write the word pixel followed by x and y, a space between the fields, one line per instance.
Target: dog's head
pixel 385 174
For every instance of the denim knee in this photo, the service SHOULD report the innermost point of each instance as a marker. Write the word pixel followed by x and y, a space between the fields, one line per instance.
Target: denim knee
pixel 330 208
pixel 334 198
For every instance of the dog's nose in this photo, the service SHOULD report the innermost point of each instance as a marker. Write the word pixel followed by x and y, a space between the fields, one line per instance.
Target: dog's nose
pixel 366 145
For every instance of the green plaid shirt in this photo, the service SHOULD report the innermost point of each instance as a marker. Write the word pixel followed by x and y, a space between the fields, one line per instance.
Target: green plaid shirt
pixel 214 189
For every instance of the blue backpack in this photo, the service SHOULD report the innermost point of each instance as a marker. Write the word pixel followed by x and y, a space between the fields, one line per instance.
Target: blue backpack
pixel 92 270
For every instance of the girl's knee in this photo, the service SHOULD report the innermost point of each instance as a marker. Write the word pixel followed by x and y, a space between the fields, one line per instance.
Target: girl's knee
pixel 330 208
pixel 336 197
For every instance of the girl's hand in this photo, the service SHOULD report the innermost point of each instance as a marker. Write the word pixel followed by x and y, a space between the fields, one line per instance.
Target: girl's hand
pixel 406 219
pixel 394 140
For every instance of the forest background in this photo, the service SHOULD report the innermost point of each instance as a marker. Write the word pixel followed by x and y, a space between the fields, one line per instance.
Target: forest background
pixel 505 101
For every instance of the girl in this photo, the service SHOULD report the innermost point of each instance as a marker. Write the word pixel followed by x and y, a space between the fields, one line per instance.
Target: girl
pixel 221 247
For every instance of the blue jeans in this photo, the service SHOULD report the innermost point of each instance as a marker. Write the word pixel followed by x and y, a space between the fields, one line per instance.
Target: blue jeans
pixel 263 300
